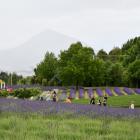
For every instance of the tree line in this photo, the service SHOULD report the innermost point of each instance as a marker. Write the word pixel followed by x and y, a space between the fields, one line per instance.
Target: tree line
pixel 79 65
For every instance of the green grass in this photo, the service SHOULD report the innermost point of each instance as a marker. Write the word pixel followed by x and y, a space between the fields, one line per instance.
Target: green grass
pixel 36 127
pixel 116 101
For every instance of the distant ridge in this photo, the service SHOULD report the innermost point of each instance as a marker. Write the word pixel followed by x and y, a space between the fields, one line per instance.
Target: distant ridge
pixel 24 58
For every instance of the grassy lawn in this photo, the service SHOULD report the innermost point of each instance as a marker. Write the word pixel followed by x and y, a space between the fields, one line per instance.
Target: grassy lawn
pixel 116 101
pixel 36 127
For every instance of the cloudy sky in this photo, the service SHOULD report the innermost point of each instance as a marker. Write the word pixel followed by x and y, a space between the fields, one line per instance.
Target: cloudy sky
pixel 99 23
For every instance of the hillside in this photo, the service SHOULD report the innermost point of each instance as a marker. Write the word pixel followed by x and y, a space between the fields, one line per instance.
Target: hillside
pixel 23 58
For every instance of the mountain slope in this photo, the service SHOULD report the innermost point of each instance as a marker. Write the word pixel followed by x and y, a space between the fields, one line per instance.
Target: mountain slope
pixel 25 57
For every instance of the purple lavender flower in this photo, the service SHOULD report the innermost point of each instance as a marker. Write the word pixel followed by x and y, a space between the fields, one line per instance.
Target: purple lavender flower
pixel 63 96
pixel 137 91
pixel 108 91
pixel 72 93
pixel 118 91
pixel 90 92
pixel 48 108
pixel 128 91
pixel 99 92
pixel 81 93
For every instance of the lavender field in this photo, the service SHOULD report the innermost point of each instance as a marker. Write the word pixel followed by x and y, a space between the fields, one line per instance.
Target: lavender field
pixel 49 108
pixel 25 119
pixel 41 120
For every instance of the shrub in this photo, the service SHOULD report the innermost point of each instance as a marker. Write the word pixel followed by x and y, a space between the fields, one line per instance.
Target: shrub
pixel 4 93
pixel 26 92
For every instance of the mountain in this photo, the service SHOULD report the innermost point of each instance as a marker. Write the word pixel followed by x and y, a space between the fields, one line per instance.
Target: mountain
pixel 25 57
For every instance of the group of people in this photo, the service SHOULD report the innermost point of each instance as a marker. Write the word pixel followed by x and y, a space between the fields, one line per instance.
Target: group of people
pixel 101 101
pixel 68 100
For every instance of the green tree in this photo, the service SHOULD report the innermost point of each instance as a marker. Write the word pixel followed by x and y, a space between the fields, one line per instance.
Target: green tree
pixel 134 73
pixel 102 55
pixel 47 68
pixel 115 73
pixel 74 64
pixel 131 51
pixel 115 54
pixel 98 72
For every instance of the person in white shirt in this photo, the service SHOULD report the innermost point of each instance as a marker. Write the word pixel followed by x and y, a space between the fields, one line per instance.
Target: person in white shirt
pixel 132 106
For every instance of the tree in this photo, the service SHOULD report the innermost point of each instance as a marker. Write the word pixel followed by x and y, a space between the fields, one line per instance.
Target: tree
pixel 98 72
pixel 11 78
pixel 47 68
pixel 4 76
pixel 102 55
pixel 131 51
pixel 15 78
pixel 134 73
pixel 74 64
pixel 114 54
pixel 115 73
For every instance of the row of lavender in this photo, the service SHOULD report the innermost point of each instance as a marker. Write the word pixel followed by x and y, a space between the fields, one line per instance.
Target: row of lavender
pixel 49 108
pixel 81 91
pixel 99 92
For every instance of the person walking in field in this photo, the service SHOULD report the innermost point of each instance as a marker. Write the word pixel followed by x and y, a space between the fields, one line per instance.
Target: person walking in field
pixel 105 100
pixel 54 96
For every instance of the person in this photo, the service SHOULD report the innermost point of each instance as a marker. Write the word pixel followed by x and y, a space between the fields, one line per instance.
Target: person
pixel 41 98
pixel 99 102
pixel 105 97
pixel 54 96
pixel 132 106
pixel 92 101
pixel 68 100
pixel 48 97
pixel 105 100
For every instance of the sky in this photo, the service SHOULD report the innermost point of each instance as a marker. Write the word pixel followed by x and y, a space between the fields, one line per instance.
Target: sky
pixel 103 24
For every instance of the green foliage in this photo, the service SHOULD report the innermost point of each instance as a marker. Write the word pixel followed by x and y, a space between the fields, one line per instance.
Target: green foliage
pixel 4 76
pixel 102 55
pixel 134 72
pixel 44 82
pixel 4 93
pixel 75 64
pixel 36 127
pixel 26 92
pixel 47 68
pixel 98 72
pixel 116 74
pixel 131 51
pixel 10 78
pixel 114 54
pixel 78 65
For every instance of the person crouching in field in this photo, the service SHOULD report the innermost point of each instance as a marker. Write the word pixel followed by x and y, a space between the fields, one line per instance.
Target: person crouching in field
pixel 99 102
pixel 68 100
pixel 104 102
pixel 132 106
pixel 92 101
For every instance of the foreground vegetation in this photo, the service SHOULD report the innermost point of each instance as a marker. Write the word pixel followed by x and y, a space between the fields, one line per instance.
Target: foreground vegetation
pixel 62 127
